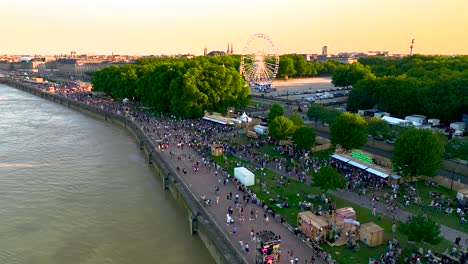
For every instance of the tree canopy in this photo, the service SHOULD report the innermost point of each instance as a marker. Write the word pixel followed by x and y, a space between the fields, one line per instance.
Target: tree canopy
pixel 421 228
pixel 281 128
pixel 295 66
pixel 185 87
pixel 418 152
pixel 323 114
pixel 275 111
pixel 327 178
pixel 297 120
pixel 304 138
pixel 349 130
pixel 434 86
pixel 348 75
pixel 378 128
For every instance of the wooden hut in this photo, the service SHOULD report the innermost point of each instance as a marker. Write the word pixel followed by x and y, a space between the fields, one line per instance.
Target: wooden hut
pixel 312 225
pixel 344 213
pixel 217 149
pixel 372 234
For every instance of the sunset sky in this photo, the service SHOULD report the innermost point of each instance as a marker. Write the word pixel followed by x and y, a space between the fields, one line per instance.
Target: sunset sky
pixel 186 26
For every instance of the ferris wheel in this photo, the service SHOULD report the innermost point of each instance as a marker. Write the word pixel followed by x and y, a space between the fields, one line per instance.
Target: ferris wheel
pixel 260 61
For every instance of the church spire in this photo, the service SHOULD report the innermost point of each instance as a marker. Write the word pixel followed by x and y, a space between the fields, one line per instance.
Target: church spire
pixel 205 51
pixel 227 52
pixel 232 49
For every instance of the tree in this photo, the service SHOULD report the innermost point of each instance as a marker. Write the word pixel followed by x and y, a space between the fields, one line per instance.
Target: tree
pixel 421 228
pixel 275 111
pixel 378 128
pixel 304 138
pixel 286 67
pixel 315 113
pixel 327 178
pixel 347 75
pixel 349 130
pixel 322 113
pixel 297 120
pixel 418 152
pixel 281 127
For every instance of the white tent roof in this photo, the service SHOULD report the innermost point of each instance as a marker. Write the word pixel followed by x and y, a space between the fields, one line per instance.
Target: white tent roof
pixel 395 121
pixel 359 165
pixel 216 121
pixel 378 173
pixel 338 157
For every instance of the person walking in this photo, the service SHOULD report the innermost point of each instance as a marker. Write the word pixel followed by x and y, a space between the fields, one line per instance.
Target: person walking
pixel 247 247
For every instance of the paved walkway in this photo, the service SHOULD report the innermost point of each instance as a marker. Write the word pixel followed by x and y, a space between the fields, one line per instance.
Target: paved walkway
pixel 203 182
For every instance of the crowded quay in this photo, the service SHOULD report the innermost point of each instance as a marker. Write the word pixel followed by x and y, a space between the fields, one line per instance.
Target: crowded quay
pixel 258 230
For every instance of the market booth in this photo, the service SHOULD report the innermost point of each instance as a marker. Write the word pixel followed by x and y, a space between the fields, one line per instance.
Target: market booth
pixel 217 149
pixel 345 215
pixel 244 176
pixel 312 225
pixel 372 234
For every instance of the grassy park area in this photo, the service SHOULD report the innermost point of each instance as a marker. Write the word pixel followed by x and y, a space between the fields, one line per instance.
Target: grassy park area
pixel 272 189
pixel 426 194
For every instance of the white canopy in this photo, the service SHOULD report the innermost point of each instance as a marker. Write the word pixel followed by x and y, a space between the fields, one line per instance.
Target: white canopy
pixel 338 157
pixel 216 120
pixel 378 173
pixel 355 164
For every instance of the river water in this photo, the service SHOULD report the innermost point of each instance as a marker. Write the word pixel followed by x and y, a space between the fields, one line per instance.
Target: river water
pixel 77 190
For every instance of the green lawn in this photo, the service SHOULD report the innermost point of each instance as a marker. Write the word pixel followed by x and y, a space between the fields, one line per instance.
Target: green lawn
pixel 451 220
pixel 272 188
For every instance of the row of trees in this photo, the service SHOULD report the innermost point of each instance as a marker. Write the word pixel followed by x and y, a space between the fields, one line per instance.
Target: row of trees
pixel 295 66
pixel 185 87
pixel 434 86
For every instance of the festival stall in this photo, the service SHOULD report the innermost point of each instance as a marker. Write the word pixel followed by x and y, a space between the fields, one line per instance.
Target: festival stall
pixel 244 176
pixel 311 225
pixel 345 215
pixel 217 149
pixel 372 234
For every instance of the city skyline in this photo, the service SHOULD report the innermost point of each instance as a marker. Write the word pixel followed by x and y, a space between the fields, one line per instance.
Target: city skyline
pixel 298 26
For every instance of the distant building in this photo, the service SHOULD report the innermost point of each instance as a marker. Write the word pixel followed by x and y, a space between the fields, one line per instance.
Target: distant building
pixel 230 50
pixel 379 53
pixel 324 50
pixel 216 53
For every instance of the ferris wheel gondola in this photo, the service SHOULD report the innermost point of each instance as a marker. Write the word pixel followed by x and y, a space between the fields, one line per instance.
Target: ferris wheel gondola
pixel 260 61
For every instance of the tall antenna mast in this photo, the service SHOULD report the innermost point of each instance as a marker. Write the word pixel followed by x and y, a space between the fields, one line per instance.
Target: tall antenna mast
pixel 411 48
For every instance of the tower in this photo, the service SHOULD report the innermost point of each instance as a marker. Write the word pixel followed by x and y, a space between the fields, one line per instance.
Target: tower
pixel 205 52
pixel 325 50
pixel 232 49
pixel 411 47
pixel 227 52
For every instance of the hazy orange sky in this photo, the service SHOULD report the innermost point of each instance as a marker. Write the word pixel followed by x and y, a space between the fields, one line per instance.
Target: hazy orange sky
pixel 187 26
